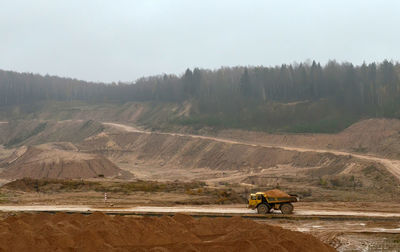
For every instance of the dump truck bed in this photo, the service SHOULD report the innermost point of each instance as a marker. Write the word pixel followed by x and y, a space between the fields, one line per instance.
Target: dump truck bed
pixel 276 196
pixel 290 198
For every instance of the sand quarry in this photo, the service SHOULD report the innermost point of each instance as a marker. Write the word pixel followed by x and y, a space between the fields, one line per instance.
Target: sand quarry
pixel 79 160
pixel 99 232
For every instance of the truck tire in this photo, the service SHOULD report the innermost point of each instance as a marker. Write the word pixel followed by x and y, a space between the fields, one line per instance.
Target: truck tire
pixel 262 209
pixel 286 208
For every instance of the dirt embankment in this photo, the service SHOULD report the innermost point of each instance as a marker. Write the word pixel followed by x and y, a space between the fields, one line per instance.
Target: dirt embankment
pixel 171 150
pixel 18 133
pixel 56 161
pixel 188 152
pixel 375 136
pixel 98 232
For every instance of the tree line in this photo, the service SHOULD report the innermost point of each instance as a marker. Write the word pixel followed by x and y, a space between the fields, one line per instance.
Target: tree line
pixel 229 92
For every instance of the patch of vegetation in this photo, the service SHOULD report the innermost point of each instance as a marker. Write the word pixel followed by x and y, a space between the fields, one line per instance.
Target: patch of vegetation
pixel 306 117
pixel 326 125
pixel 369 170
pixel 340 181
pixel 49 185
pixel 219 196
pixel 360 149
pixel 3 198
pixel 195 188
pixel 22 137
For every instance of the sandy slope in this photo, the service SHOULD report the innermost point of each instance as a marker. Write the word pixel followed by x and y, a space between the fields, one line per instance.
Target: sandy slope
pixel 34 132
pixel 380 137
pixel 393 166
pixel 57 160
pixel 99 232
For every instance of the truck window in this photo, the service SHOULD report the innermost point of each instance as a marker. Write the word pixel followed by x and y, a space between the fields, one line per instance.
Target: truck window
pixel 253 197
pixel 259 197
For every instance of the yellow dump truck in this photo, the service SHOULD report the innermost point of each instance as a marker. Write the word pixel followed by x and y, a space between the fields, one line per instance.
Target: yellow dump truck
pixel 275 199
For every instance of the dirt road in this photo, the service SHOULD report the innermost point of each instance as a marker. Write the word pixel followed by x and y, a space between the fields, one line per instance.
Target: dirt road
pixel 393 166
pixel 207 209
pixel 125 127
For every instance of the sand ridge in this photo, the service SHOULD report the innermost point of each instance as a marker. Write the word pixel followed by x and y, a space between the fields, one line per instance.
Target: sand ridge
pixel 392 165
pixel 99 232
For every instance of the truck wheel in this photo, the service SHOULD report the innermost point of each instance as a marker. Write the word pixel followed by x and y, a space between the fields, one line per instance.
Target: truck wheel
pixel 262 209
pixel 286 208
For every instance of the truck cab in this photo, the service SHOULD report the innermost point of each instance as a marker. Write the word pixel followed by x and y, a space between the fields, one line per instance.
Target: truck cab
pixel 255 199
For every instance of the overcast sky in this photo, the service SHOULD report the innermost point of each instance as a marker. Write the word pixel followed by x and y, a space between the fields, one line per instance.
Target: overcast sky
pixel 123 40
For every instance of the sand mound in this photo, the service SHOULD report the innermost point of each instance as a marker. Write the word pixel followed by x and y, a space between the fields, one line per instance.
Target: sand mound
pixel 98 232
pixel 374 126
pixel 46 162
pixel 277 193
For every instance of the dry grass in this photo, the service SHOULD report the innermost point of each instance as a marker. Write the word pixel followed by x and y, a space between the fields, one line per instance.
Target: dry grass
pixel 195 192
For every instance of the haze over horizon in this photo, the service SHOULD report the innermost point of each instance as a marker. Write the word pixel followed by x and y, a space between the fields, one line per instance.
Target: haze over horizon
pixel 125 40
